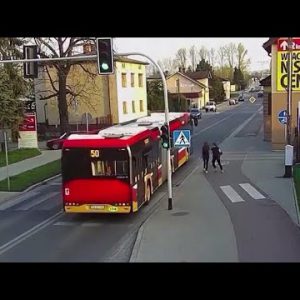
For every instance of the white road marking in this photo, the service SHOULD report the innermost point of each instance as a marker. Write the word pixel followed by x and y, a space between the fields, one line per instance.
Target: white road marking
pixel 253 192
pixel 20 238
pixel 231 194
pixel 27 206
pixel 86 224
pixel 12 202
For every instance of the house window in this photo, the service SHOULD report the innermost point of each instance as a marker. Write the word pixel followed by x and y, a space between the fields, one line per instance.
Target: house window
pixel 141 105
pixel 140 80
pixel 140 67
pixel 124 81
pixel 132 79
pixel 123 65
pixel 124 107
pixel 133 106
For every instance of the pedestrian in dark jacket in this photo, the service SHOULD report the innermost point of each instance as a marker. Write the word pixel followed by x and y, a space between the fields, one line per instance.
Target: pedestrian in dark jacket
pixel 216 152
pixel 205 156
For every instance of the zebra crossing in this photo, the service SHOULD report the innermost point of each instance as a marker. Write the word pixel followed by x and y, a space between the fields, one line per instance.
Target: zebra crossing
pixel 235 197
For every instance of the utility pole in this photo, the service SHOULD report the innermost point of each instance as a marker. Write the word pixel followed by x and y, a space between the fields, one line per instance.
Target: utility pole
pixel 289 149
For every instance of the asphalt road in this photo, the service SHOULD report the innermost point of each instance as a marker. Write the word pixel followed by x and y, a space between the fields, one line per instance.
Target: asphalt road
pixel 33 227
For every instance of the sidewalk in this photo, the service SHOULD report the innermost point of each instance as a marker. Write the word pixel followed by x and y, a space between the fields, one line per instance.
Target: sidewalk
pixel 181 235
pixel 25 165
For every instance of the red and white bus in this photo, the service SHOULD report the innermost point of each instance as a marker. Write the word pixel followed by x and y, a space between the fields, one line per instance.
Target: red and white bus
pixel 118 169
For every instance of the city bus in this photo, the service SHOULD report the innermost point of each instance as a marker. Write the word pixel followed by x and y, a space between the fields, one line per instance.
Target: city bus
pixel 118 169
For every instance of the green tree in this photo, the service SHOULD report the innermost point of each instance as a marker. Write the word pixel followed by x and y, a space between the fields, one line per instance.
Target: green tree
pixel 238 78
pixel 12 84
pixel 155 95
pixel 217 90
pixel 11 110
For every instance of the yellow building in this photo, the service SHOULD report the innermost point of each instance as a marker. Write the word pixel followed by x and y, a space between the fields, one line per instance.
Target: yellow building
pixel 115 98
pixel 202 77
pixel 278 98
pixel 193 90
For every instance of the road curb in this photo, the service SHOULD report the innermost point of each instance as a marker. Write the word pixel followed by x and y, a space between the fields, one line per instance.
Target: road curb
pixel 40 183
pixel 296 204
pixel 137 244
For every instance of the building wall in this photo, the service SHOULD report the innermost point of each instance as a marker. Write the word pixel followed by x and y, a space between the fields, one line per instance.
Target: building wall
pixel 128 94
pixel 267 112
pixel 186 86
pixel 279 103
pixel 206 94
pixel 93 97
pixel 226 86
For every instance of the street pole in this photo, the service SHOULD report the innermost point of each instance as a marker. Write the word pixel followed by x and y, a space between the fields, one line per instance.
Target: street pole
pixel 167 122
pixel 289 149
pixel 6 157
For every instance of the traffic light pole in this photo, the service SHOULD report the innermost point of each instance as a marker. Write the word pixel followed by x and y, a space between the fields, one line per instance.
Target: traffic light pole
pixel 95 57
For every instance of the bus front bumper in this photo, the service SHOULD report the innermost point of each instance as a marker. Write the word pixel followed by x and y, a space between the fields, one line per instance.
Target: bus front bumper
pixel 97 208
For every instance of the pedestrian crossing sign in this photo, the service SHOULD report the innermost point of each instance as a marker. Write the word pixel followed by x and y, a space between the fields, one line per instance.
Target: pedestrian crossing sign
pixel 182 138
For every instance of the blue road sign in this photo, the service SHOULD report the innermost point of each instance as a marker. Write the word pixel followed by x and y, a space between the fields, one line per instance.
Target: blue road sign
pixel 282 117
pixel 182 138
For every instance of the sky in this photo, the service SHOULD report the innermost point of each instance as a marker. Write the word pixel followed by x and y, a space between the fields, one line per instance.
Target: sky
pixel 159 48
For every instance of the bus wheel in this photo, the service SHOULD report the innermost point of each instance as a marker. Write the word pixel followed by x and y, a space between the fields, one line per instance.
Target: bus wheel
pixel 148 194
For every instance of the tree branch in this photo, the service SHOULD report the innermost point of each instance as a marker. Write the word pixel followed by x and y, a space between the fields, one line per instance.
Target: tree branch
pixel 42 41
pixel 48 97
pixel 87 71
pixel 51 80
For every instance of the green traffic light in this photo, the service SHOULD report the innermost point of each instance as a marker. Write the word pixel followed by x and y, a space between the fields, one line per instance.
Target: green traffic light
pixel 165 145
pixel 104 66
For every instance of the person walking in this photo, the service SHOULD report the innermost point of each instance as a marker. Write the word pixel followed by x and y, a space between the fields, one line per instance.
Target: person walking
pixel 205 157
pixel 216 152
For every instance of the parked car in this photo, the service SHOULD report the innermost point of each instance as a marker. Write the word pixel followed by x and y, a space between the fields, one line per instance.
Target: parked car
pixel 55 144
pixel 241 98
pixel 196 113
pixel 232 101
pixel 211 106
pixel 260 94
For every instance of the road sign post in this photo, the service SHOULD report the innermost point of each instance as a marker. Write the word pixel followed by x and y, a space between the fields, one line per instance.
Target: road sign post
pixel 289 148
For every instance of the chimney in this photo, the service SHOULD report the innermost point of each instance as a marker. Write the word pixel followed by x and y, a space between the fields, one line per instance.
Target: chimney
pixel 89 48
pixel 183 70
pixel 180 69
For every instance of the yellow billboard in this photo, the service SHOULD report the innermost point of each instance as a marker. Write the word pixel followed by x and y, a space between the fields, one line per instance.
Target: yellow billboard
pixel 282 70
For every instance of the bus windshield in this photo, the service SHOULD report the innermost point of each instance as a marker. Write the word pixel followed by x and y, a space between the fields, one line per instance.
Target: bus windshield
pixel 94 163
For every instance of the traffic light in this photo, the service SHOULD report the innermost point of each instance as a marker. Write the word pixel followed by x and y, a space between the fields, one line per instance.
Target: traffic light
pixel 165 138
pixel 30 68
pixel 105 56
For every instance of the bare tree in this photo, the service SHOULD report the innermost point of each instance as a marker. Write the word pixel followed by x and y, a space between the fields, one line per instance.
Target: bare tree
pixel 221 53
pixel 242 61
pixel 203 53
pixel 181 56
pixel 212 57
pixel 230 54
pixel 193 57
pixel 168 64
pixel 63 47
